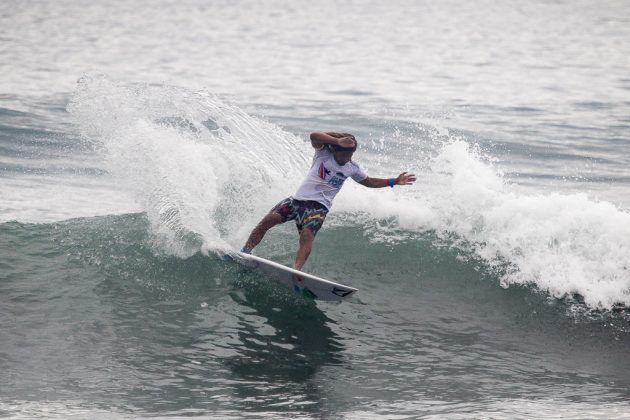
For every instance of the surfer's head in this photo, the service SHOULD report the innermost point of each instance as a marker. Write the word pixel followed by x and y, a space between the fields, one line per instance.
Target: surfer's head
pixel 343 155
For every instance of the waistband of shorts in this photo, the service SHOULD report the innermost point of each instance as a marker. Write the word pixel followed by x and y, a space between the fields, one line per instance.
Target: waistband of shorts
pixel 311 202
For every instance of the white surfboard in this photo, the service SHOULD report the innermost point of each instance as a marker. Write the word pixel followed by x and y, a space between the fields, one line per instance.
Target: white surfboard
pixel 307 285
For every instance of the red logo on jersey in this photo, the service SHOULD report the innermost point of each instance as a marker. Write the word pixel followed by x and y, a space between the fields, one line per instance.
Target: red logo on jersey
pixel 323 171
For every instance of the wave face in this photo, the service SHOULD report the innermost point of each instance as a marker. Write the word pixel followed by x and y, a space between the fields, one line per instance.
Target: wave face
pixel 99 317
pixel 205 172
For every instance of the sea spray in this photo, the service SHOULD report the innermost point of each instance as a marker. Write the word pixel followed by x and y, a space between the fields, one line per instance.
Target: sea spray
pixel 202 170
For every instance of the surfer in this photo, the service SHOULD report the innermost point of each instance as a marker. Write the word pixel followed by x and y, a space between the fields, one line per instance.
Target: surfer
pixel 332 165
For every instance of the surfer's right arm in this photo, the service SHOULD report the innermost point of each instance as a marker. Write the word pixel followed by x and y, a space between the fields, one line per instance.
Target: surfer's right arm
pixel 319 139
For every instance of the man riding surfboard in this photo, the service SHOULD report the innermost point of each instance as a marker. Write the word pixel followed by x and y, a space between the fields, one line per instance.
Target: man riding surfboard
pixel 332 165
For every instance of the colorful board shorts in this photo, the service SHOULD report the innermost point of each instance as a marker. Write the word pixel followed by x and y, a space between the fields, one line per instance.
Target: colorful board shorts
pixel 307 214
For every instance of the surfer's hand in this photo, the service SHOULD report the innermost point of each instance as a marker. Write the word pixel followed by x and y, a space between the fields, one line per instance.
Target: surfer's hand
pixel 405 179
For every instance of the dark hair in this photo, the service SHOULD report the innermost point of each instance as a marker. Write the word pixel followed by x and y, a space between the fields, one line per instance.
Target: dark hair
pixel 336 148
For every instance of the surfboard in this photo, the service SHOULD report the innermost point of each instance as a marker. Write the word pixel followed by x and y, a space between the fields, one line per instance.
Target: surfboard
pixel 304 284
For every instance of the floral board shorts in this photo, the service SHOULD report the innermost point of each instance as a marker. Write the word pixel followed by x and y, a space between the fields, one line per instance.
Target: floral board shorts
pixel 307 214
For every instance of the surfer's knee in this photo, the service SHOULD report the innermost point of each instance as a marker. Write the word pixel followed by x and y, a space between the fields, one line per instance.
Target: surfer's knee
pixel 307 236
pixel 270 220
pixel 276 218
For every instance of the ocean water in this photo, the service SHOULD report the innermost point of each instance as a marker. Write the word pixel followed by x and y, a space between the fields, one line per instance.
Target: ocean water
pixel 139 141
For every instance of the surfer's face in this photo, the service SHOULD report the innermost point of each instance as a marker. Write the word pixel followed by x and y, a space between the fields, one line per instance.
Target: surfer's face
pixel 342 157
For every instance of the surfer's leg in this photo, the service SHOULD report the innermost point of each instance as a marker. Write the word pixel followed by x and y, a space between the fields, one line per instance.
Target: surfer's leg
pixel 311 219
pixel 270 220
pixel 306 243
pixel 280 213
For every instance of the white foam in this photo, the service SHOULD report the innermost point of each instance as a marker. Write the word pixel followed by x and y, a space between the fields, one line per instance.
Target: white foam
pixel 205 185
pixel 562 243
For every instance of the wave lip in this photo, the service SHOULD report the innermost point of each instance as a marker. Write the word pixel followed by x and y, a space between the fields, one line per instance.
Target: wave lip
pixel 564 244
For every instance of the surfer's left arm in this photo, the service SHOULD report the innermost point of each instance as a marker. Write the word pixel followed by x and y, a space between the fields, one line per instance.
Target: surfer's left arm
pixel 402 179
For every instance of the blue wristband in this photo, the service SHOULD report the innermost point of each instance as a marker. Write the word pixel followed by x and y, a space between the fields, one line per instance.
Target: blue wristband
pixel 391 182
